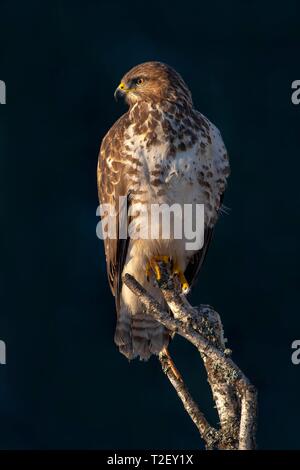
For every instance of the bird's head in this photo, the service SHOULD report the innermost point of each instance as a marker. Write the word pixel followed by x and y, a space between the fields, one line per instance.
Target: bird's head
pixel 153 81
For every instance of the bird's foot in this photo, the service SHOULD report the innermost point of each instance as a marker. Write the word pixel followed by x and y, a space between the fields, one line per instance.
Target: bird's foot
pixel 182 279
pixel 154 266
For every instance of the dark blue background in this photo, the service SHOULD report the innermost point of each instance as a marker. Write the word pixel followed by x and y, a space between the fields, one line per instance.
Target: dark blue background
pixel 65 384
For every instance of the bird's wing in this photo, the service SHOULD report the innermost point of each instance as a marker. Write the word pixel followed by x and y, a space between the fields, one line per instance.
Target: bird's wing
pixel 216 152
pixel 196 262
pixel 111 186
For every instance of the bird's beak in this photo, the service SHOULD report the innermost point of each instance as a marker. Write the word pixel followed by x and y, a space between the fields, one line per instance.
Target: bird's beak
pixel 120 91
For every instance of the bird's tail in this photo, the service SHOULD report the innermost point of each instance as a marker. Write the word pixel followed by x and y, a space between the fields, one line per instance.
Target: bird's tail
pixel 139 335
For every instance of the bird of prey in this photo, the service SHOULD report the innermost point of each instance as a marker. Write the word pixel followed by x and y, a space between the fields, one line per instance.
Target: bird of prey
pixel 161 151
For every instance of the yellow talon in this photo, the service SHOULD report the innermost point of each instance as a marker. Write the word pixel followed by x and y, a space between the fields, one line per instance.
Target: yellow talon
pixel 185 287
pixel 153 265
pixel 148 271
pixel 182 279
pixel 156 269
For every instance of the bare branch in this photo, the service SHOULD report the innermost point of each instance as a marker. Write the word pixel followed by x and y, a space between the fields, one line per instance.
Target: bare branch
pixel 233 394
pixel 207 432
pixel 248 416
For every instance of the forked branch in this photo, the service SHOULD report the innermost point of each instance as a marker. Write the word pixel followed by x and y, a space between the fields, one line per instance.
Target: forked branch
pixel 234 396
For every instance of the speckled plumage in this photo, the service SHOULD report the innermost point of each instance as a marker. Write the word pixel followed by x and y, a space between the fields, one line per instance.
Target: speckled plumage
pixel 161 151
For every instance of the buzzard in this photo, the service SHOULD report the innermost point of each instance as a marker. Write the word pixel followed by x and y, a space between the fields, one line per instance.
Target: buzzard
pixel 161 151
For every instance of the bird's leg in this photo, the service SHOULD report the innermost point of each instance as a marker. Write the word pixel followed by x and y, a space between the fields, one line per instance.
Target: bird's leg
pixel 182 279
pixel 148 271
pixel 153 265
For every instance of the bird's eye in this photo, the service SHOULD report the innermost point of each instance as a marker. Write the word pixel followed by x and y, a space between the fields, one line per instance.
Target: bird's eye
pixel 139 81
